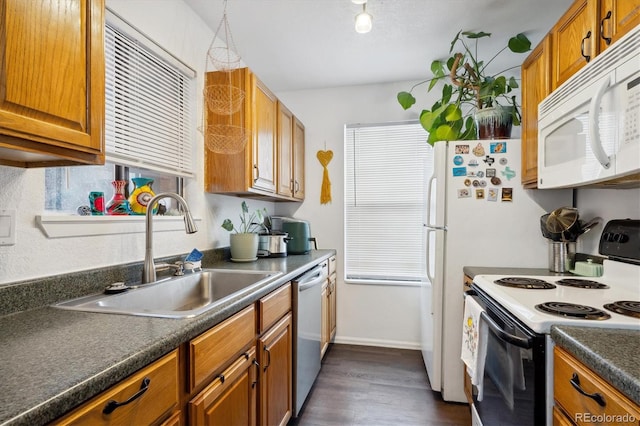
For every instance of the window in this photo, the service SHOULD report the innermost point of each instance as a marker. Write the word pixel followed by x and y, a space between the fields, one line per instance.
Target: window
pixel 148 122
pixel 386 167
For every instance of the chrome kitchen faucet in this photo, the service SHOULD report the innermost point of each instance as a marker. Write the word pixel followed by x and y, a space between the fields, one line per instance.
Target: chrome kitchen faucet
pixel 149 267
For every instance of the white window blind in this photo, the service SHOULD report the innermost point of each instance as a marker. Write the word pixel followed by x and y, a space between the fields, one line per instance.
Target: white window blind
pixel 148 107
pixel 386 166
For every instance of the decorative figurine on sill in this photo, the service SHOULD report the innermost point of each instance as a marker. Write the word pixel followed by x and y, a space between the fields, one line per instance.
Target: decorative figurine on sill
pixel 119 205
pixel 141 195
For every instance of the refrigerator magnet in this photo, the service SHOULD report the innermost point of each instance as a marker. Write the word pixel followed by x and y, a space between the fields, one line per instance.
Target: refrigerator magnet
pixel 495 180
pixel 459 171
pixel 473 163
pixel 503 161
pixel 498 147
pixel 464 193
pixel 462 149
pixel 507 194
pixel 479 194
pixel 478 151
pixel 467 182
pixel 492 194
pixel 457 160
pixel 480 174
pixel 489 160
pixel 490 173
pixel 508 173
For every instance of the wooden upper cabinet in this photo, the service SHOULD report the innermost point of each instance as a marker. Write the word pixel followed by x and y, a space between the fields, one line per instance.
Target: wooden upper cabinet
pixel 617 17
pixel 298 159
pixel 574 40
pixel 51 82
pixel 267 165
pixel 536 85
pixel 264 108
pixel 285 151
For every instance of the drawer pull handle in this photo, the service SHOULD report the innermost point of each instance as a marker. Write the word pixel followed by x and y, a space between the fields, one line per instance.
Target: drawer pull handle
pixel 112 405
pixel 575 382
pixel 221 377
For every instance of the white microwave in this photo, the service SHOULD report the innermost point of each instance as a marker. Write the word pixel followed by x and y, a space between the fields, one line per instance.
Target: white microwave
pixel 589 127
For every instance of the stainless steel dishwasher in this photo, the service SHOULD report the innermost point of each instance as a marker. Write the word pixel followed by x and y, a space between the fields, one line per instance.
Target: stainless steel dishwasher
pixel 307 293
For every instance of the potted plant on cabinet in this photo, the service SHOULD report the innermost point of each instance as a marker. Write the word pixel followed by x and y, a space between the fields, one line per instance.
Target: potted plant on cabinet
pixel 474 103
pixel 244 239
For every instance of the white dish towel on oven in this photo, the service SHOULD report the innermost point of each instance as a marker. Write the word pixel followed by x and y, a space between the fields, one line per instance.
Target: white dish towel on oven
pixel 474 342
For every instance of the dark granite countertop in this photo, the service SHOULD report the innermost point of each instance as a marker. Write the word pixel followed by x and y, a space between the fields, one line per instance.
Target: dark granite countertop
pixel 51 360
pixel 611 353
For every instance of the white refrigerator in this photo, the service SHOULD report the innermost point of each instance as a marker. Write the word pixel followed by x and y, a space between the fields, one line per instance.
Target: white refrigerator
pixel 477 214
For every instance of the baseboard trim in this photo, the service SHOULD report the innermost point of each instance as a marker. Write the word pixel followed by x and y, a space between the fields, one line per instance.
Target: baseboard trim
pixel 377 342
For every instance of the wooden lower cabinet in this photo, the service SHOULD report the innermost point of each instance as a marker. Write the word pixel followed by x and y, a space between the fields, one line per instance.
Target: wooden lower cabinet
pixel 598 401
pixel 276 385
pixel 231 398
pixel 237 373
pixel 147 397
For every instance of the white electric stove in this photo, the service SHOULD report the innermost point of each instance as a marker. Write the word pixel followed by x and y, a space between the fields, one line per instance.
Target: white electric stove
pixel 520 310
pixel 539 308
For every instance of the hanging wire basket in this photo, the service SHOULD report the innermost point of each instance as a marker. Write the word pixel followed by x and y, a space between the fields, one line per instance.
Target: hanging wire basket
pixel 226 138
pixel 223 99
pixel 224 58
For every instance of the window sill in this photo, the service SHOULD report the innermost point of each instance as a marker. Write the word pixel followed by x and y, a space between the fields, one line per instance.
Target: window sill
pixel 383 282
pixel 62 226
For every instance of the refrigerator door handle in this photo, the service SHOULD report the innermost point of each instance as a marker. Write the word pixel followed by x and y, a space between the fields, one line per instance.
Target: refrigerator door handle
pixel 429 274
pixel 435 227
pixel 429 186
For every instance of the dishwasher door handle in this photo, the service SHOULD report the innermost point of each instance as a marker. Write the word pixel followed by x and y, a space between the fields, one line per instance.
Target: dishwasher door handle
pixel 312 278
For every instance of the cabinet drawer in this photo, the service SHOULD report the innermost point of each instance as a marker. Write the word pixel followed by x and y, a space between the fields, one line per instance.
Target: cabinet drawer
pixel 161 396
pixel 273 306
pixel 209 352
pixel 332 265
pixel 583 409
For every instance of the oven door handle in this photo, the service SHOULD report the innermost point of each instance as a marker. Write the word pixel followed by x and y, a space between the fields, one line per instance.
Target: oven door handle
pixel 521 342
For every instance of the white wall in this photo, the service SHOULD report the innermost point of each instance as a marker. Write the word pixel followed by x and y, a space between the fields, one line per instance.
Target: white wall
pixel 180 31
pixel 608 204
pixel 378 315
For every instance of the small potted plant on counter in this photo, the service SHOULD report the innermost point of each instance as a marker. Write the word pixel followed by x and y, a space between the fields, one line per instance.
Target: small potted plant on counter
pixel 244 239
pixel 474 103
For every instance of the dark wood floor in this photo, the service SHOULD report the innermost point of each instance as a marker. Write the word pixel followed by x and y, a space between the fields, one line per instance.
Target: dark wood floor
pixel 371 386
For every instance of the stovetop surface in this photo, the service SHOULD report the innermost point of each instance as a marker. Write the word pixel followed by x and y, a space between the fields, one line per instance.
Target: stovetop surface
pixel 622 279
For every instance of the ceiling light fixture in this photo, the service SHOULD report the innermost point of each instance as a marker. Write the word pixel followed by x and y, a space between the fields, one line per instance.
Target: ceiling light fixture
pixel 364 21
pixel 359 1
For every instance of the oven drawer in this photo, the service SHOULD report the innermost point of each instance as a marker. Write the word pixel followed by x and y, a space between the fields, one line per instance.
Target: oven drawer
pixel 603 402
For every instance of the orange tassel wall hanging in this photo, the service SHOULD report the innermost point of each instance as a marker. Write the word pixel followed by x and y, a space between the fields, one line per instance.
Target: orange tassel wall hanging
pixel 325 158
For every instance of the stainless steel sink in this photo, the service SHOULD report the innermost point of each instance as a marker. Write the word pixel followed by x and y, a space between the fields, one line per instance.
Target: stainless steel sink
pixel 178 297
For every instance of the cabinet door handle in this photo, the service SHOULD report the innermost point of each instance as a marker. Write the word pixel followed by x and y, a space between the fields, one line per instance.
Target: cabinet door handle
pixel 112 405
pixel 607 40
pixel 266 349
pixel 297 188
pixel 586 57
pixel 575 382
pixel 255 179
pixel 253 385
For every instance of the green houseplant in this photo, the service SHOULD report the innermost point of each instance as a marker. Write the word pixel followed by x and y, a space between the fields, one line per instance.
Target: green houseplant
pixel 469 89
pixel 244 240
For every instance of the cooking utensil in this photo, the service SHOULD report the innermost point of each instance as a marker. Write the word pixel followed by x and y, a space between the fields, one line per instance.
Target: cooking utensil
pixel 586 227
pixel 273 244
pixel 564 221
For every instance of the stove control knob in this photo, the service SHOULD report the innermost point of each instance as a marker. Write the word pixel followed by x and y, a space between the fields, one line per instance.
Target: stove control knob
pixel 620 238
pixel 608 236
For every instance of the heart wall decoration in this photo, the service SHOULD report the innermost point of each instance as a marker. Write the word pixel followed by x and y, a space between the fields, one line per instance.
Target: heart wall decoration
pixel 325 158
